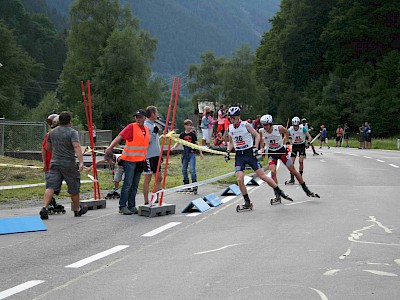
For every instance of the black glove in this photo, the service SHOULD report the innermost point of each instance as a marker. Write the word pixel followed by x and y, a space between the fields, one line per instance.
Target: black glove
pixel 156 129
pixel 308 145
pixel 255 151
pixel 227 156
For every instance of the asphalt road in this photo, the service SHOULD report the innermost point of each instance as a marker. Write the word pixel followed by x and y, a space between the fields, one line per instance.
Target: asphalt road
pixel 345 245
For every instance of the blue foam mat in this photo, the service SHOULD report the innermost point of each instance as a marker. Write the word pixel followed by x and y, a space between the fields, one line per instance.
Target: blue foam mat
pixel 248 180
pixel 232 189
pixel 213 199
pixel 21 224
pixel 198 204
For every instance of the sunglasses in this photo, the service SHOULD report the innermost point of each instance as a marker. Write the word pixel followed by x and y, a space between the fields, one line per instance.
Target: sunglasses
pixel 233 117
pixel 265 125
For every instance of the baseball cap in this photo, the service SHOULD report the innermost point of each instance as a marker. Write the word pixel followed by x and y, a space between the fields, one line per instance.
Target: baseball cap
pixel 140 113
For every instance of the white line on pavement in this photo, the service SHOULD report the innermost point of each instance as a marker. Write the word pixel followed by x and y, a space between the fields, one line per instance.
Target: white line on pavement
pixel 19 288
pixel 229 198
pixel 161 229
pixel 380 160
pixel 195 214
pixel 394 166
pixel 294 203
pixel 367 157
pixel 214 250
pixel 95 257
pixel 381 273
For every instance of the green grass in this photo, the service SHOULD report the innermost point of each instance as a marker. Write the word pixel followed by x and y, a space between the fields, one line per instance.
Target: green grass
pixel 377 143
pixel 211 166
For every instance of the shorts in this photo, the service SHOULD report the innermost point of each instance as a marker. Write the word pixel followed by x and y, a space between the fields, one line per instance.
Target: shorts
pixel 246 157
pixel 323 138
pixel 338 138
pixel 150 166
pixel 361 138
pixel 368 139
pixel 346 136
pixel 280 154
pixel 206 134
pixel 71 176
pixel 298 150
pixel 118 173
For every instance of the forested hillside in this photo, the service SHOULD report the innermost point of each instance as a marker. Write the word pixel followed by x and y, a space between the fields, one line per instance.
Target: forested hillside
pixel 186 28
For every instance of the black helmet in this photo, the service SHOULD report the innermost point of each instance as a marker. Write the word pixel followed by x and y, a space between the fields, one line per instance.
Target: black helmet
pixel 304 120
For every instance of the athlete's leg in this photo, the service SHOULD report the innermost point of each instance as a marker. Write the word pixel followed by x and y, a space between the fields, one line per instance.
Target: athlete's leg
pixel 272 167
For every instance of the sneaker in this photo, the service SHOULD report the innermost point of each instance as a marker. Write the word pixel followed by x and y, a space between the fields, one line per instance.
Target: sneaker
pixel 44 215
pixel 81 212
pixel 125 211
pixel 133 210
pixel 329 147
pixel 246 203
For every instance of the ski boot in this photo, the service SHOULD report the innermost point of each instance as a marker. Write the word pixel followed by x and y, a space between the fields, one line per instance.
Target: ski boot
pixel 247 205
pixel 308 192
pixel 278 195
pixel 291 180
pixel 55 208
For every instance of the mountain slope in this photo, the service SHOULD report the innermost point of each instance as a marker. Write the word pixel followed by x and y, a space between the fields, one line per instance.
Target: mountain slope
pixel 186 28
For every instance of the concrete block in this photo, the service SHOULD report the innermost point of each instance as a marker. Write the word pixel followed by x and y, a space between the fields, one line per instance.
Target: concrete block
pixel 155 211
pixel 92 204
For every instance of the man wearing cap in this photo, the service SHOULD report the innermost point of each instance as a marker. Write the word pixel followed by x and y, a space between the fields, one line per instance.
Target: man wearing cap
pixel 137 137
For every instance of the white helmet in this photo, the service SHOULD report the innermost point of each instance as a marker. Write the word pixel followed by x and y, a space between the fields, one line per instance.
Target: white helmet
pixel 53 120
pixel 234 111
pixel 266 119
pixel 296 121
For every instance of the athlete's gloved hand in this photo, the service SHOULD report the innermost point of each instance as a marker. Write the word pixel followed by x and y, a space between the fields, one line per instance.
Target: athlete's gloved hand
pixel 287 147
pixel 308 145
pixel 227 156
pixel 255 151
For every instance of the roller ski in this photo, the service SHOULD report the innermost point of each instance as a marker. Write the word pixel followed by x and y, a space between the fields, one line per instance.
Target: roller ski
pixel 113 195
pixel 55 208
pixel 279 194
pixel 247 205
pixel 308 192
pixel 186 191
pixel 291 180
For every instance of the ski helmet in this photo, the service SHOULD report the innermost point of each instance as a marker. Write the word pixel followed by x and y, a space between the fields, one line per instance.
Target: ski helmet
pixel 53 120
pixel 296 121
pixel 233 111
pixel 266 119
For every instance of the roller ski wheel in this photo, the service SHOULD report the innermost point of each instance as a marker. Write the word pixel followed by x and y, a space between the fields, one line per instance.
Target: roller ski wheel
pixel 290 181
pixel 112 195
pixel 195 190
pixel 56 210
pixel 313 195
pixel 242 207
pixel 276 201
pixel 186 191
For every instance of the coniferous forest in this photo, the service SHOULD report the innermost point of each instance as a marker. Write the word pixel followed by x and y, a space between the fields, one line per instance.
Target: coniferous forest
pixel 332 62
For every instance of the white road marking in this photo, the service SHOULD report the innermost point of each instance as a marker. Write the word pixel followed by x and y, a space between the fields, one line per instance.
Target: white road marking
pixel 380 160
pixel 19 288
pixel 214 250
pixel 195 214
pixel 367 157
pixel 294 203
pixel 321 160
pixel 321 294
pixel 381 273
pixel 98 256
pixel 161 229
pixel 394 166
pixel 331 272
pixel 373 219
pixel 397 261
pixel 381 264
pixel 346 254
pixel 229 198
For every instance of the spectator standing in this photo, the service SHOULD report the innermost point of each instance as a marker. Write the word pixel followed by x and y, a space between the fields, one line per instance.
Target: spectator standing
pixel 346 134
pixel 221 119
pixel 63 143
pixel 153 153
pixel 361 137
pixel 137 137
pixel 367 130
pixel 188 154
pixel 339 136
pixel 324 136
pixel 94 133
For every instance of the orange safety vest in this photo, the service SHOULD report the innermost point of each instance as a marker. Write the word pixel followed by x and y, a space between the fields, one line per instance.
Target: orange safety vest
pixel 136 149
